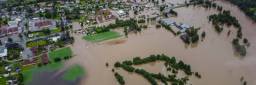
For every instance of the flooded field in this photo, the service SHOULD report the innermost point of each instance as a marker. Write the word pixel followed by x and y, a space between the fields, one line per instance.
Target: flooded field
pixel 50 78
pixel 213 58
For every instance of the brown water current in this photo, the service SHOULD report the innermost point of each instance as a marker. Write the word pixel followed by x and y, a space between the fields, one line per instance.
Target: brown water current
pixel 213 58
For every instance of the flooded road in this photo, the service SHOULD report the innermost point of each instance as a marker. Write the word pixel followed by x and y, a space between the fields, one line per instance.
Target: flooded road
pixel 213 58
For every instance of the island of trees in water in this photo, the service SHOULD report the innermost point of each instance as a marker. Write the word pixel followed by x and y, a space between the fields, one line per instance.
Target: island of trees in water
pixel 247 6
pixel 222 19
pixel 172 65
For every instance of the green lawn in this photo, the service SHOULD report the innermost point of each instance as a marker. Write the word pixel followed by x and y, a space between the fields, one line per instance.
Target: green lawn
pixel 41 33
pixel 3 81
pixel 73 73
pixel 102 36
pixel 55 30
pixel 29 71
pixel 61 53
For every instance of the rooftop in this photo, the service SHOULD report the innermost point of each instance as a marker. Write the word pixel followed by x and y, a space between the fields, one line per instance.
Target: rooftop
pixel 3 51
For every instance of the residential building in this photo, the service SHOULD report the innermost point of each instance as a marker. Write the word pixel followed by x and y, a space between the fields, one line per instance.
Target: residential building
pixel 167 22
pixel 39 24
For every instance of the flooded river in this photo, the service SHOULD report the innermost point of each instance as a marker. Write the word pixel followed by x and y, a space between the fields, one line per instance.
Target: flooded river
pixel 213 58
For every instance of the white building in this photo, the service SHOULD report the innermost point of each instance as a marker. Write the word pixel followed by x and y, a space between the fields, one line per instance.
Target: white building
pixel 184 27
pixel 167 21
pixel 121 13
pixel 55 39
pixel 3 52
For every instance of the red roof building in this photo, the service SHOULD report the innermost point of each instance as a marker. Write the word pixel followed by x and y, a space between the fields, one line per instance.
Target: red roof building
pixel 6 30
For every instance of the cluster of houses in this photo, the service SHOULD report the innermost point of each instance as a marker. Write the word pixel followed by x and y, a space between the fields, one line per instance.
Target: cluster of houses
pixel 39 24
pixel 13 27
pixel 16 28
pixel 104 15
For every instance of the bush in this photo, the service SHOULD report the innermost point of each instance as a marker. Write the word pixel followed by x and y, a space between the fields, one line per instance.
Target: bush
pixel 146 75
pixel 141 21
pixel 158 26
pixel 241 49
pixel 239 34
pixel 67 57
pixel 197 75
pixel 194 39
pixel 120 79
pixel 39 64
pixel 144 26
pixel 161 77
pixel 218 28
pixel 137 61
pixel 127 67
pixel 128 62
pixel 57 59
pixel 37 43
pixel 117 64
pixel 203 34
pixel 245 41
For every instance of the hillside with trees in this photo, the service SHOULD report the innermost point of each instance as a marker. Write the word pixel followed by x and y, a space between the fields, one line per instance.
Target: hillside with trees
pixel 248 6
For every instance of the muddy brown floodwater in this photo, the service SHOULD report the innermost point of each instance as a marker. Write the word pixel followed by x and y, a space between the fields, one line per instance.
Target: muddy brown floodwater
pixel 213 58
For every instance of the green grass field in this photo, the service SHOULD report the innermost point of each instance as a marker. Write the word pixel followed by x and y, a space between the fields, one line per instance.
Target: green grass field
pixel 73 73
pixel 3 81
pixel 60 53
pixel 29 71
pixel 102 36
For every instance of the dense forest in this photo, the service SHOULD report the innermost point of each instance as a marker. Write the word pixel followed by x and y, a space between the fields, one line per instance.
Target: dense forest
pixel 248 6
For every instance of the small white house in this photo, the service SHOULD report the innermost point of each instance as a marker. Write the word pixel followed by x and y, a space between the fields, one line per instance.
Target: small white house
pixel 56 38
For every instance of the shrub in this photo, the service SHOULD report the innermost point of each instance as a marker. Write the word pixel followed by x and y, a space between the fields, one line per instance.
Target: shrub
pixel 128 62
pixel 144 26
pixel 161 77
pixel 158 26
pixel 37 43
pixel 203 34
pixel 141 21
pixel 57 59
pixel 245 41
pixel 67 57
pixel 197 75
pixel 107 64
pixel 39 64
pixel 146 75
pixel 117 64
pixel 120 79
pixel 218 28
pixel 127 67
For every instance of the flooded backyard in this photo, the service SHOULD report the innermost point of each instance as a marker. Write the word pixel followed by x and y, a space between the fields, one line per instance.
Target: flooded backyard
pixel 47 78
pixel 213 58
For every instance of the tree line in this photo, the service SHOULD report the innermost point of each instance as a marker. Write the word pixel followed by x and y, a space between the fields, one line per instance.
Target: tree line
pixel 172 65
pixel 247 6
